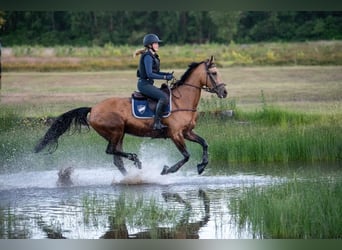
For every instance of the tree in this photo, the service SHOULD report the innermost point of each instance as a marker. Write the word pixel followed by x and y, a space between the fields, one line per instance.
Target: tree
pixel 226 24
pixel 88 28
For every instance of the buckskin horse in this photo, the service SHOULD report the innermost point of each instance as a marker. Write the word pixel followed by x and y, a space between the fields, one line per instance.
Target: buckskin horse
pixel 112 118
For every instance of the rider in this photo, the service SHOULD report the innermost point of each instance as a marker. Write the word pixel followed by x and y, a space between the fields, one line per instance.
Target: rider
pixel 148 71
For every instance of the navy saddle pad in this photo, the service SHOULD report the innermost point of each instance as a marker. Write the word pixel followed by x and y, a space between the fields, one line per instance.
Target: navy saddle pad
pixel 144 108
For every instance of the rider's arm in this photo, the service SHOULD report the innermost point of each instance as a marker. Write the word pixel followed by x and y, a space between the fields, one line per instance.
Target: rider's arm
pixel 148 61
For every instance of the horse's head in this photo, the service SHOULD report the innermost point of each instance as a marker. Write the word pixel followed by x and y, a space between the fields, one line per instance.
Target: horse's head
pixel 211 80
pixel 204 75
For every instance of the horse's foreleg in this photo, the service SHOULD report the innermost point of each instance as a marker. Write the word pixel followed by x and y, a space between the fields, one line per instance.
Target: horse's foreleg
pixel 180 144
pixel 191 136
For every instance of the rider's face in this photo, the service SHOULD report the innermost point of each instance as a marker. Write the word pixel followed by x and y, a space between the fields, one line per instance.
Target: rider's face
pixel 155 46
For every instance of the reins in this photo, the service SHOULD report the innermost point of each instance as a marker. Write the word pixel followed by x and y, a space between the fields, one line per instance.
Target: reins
pixel 175 84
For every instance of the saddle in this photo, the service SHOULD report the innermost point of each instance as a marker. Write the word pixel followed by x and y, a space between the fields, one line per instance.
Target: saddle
pixel 144 107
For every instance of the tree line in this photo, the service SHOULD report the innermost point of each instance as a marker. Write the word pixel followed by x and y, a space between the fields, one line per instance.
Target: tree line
pixel 49 28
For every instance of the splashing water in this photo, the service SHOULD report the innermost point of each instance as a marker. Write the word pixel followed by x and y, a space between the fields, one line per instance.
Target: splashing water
pixel 153 158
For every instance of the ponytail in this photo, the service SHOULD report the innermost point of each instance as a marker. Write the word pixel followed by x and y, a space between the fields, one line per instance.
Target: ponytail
pixel 139 52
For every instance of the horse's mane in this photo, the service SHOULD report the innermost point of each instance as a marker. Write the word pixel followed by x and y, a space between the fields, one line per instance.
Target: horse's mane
pixel 186 74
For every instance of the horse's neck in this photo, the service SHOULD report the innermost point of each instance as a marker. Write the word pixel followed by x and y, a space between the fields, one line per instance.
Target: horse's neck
pixel 187 96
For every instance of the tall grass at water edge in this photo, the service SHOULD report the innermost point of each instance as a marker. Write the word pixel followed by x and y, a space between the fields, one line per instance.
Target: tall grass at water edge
pixel 270 135
pixel 297 209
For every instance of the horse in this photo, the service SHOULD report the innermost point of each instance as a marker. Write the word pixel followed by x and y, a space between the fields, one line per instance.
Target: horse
pixel 112 119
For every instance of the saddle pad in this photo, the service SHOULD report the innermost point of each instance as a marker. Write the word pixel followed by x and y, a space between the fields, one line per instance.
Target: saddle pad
pixel 141 109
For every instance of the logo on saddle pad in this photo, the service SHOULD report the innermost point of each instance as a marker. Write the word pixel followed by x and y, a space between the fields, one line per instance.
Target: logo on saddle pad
pixel 141 108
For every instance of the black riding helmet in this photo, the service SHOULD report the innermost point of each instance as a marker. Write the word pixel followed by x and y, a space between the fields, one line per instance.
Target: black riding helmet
pixel 151 38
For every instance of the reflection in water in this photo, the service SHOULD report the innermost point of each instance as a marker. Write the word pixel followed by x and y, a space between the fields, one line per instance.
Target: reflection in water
pixel 184 229
pixel 33 205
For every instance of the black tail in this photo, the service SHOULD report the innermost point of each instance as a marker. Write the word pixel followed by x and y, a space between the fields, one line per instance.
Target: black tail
pixel 61 125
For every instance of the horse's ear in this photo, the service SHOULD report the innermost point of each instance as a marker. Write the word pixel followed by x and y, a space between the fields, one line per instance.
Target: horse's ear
pixel 211 60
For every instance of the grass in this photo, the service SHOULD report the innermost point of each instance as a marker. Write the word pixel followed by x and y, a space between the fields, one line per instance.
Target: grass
pixel 272 135
pixel 307 89
pixel 308 209
pixel 263 145
pixel 109 57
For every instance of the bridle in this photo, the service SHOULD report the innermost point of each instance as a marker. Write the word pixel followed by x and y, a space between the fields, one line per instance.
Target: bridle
pixel 210 76
pixel 215 85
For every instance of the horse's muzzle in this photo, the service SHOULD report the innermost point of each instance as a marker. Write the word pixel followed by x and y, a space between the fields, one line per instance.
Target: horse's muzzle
pixel 221 91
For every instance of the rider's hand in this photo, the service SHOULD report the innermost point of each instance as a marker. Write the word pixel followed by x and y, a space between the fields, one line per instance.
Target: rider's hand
pixel 169 76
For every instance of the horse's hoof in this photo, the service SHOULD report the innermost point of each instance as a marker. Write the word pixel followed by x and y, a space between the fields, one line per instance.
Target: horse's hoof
pixel 137 164
pixel 165 170
pixel 200 168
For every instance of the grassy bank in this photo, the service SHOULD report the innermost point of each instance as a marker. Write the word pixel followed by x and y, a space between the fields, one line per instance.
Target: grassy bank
pixel 273 135
pixel 110 57
pixel 294 210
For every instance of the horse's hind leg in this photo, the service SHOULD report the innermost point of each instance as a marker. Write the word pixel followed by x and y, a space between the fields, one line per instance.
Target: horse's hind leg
pixel 117 153
pixel 118 162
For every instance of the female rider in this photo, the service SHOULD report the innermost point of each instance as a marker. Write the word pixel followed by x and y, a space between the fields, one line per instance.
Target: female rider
pixel 148 71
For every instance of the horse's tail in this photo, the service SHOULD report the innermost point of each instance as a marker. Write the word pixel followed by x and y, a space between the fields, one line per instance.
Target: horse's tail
pixel 61 125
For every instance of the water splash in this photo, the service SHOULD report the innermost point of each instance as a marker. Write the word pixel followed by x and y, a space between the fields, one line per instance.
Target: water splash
pixel 153 158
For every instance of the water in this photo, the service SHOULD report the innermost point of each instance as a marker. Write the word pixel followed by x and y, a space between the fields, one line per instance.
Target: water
pixel 35 205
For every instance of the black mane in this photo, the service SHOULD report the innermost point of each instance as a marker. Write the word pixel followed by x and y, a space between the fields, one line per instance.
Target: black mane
pixel 187 73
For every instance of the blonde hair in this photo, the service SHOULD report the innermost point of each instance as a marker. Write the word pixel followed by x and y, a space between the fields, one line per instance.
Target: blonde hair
pixel 139 52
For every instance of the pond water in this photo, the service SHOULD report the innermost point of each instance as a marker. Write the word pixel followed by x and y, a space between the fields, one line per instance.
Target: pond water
pixel 100 203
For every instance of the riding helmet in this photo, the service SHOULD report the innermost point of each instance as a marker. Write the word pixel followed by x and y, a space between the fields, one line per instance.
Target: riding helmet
pixel 151 38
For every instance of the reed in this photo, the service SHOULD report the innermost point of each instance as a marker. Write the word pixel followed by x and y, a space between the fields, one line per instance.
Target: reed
pixel 236 143
pixel 295 209
pixel 270 135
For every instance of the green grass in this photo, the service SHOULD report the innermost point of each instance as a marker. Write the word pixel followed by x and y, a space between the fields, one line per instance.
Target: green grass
pixel 270 135
pixel 262 145
pixel 109 57
pixel 309 209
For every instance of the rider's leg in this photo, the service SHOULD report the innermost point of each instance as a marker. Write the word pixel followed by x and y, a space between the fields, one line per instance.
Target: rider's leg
pixel 157 94
pixel 159 113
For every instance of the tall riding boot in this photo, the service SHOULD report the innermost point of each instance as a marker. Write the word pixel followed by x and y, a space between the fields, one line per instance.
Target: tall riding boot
pixel 157 118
